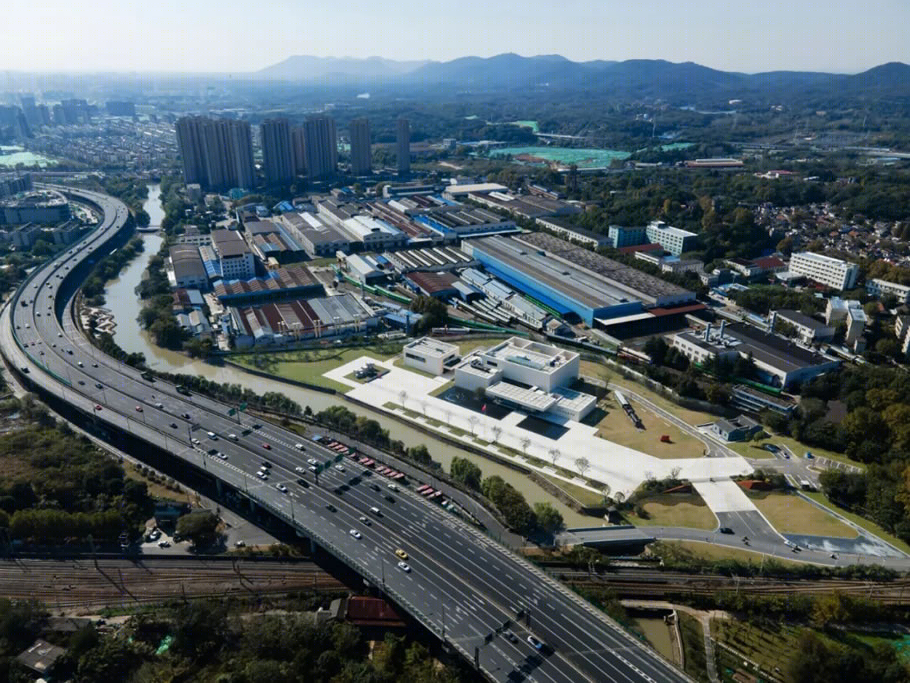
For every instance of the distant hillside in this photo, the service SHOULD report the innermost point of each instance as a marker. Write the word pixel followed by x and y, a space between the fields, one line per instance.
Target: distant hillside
pixel 631 78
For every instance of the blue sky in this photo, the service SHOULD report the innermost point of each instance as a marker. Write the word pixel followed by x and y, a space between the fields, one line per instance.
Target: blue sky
pixel 236 36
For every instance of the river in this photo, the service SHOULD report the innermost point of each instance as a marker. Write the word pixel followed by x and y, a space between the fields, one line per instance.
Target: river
pixel 125 305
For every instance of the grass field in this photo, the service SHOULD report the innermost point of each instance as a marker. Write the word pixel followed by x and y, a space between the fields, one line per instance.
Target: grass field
pixel 861 521
pixel 693 640
pixel 580 494
pixel 615 426
pixel 790 514
pixel 709 552
pixel 752 449
pixel 771 648
pixel 685 510
pixel 309 365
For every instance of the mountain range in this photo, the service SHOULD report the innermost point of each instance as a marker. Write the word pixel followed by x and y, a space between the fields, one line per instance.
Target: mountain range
pixel 641 77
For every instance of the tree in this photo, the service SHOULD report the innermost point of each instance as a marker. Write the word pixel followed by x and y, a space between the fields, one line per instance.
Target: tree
pixel 497 432
pixel 199 527
pixel 582 465
pixel 554 455
pixel 548 517
pixel 525 442
pixel 466 472
pixel 420 454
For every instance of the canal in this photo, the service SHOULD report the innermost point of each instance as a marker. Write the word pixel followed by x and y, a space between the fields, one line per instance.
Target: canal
pixel 125 305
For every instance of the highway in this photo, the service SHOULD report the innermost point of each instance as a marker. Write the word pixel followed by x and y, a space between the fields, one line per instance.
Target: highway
pixel 458 583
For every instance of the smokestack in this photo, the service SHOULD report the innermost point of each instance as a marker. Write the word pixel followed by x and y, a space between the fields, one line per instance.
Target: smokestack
pixel 708 332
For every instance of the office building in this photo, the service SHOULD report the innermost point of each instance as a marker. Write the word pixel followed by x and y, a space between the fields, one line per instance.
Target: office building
pixel 879 288
pixel 13 183
pixel 622 236
pixel 361 153
pixel 277 154
pixel 404 146
pixel 29 110
pixel 825 270
pixel 234 255
pixel 217 154
pixel 320 146
pixel 674 240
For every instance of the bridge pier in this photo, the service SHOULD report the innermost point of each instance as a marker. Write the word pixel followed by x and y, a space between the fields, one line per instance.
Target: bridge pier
pixel 219 488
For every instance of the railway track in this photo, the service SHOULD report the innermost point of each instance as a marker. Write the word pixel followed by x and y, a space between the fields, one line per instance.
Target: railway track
pixel 67 585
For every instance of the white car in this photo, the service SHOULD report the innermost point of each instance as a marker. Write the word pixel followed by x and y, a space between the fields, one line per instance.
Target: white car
pixel 393 487
pixel 356 534
pixel 223 456
pixel 195 441
pixel 299 470
pixel 299 446
pixel 262 475
pixel 212 435
pixel 365 521
pixel 282 488
pixel 232 437
pixel 340 468
pixel 405 567
pixel 312 461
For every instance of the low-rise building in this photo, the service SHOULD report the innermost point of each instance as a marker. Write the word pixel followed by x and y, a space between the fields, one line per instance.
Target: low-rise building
pixel 186 267
pixel 754 401
pixel 808 329
pixel 532 363
pixel 25 237
pixel 430 355
pixel 573 233
pixel 739 428
pixel 674 240
pixel 879 288
pixel 851 312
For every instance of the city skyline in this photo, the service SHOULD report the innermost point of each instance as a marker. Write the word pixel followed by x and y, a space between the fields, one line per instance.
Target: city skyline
pixel 775 35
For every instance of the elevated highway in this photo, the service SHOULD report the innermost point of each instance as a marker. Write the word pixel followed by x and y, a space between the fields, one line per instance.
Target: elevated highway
pixel 458 583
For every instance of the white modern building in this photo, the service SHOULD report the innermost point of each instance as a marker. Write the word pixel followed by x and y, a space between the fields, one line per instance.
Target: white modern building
pixel 674 240
pixel 430 355
pixel 879 288
pixel 234 255
pixel 825 270
pixel 532 363
pixel 850 311
pixel 374 234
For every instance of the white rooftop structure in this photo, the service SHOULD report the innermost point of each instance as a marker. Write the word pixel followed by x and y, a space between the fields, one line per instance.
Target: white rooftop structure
pixel 430 355
pixel 453 191
pixel 532 363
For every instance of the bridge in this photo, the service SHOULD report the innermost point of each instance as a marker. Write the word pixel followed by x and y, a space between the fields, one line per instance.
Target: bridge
pixel 476 596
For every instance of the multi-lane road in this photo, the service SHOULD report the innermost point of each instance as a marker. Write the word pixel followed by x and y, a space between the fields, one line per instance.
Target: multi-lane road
pixel 457 582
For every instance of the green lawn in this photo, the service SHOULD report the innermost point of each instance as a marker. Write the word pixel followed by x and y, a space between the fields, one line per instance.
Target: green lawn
pixel 866 524
pixel 580 494
pixel 790 514
pixel 616 427
pixel 693 641
pixel 709 552
pixel 671 509
pixel 310 365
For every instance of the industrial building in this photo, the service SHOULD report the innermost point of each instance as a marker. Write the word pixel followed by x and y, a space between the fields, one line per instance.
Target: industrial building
pixel 571 279
pixel 574 233
pixel 437 285
pixel 462 221
pixel 808 329
pixel 526 206
pixel 283 323
pixel 277 285
pixel 778 361
pixel 186 268
pixel 825 270
pixel 373 234
pixel 429 259
pixel 430 355
pixel 317 238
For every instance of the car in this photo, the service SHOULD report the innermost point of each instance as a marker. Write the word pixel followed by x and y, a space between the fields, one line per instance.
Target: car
pixel 173 425
pixel 195 441
pixel 340 468
pixel 725 530
pixel 303 483
pixel 392 486
pixel 266 446
pixel 511 637
pixel 223 456
pixel 282 488
pixel 138 409
pixel 536 644
pixel 212 435
pixel 79 363
pixel 154 535
pixel 98 406
pixel 401 554
pixel 239 544
pixel 405 567
pixel 375 487
pixel 60 335
pixel 232 437
pixel 313 468
pixel 391 499
pixel 299 447
pixel 94 365
pixel 99 385
pixel 312 461
pixel 365 521
pixel 356 534
pixel 330 507
pixel 257 426
pixel 81 383
pixel 262 475
pixel 266 464
pixel 375 510
pixel 771 448
pixel 69 351
pixel 299 470
pixel 185 416
pixel 164 544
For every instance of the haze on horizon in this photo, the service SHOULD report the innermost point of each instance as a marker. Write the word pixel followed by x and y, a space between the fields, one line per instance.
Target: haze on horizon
pixel 231 36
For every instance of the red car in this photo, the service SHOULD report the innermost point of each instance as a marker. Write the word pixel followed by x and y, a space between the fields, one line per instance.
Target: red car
pixel 138 409
pixel 97 407
pixel 266 447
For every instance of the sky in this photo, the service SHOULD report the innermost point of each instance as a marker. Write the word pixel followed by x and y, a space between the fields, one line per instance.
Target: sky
pixel 843 36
